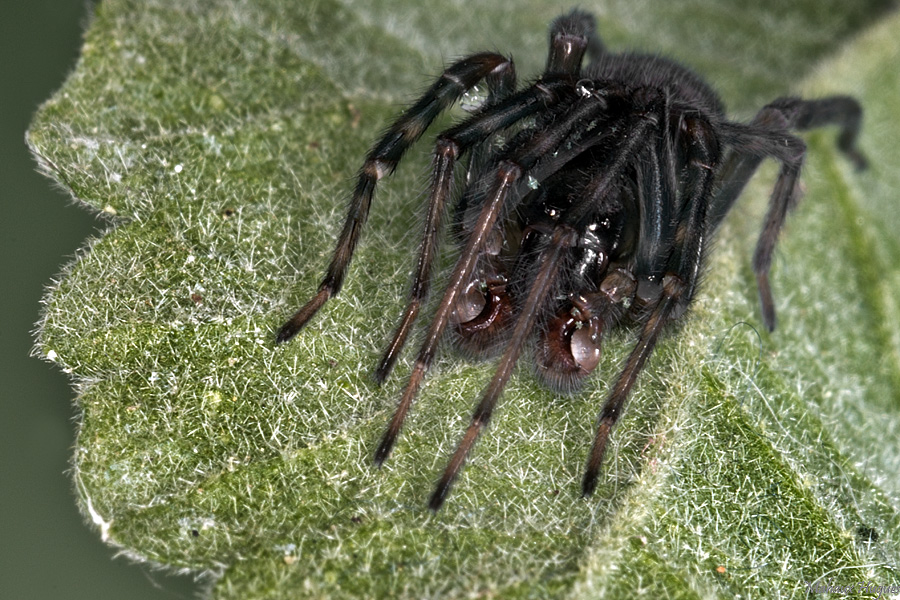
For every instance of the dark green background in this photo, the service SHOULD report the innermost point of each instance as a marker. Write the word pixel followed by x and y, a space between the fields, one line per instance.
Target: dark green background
pixel 46 550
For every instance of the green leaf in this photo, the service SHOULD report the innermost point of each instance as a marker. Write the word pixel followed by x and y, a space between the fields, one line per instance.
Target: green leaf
pixel 222 139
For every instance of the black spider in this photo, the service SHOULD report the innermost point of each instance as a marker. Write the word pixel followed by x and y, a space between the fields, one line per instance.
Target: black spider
pixel 589 200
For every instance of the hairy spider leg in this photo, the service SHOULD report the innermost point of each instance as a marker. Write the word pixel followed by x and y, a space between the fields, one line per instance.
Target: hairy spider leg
pixel 507 174
pixel 517 161
pixel 499 87
pixel 784 197
pixel 657 183
pixel 570 37
pixel 382 159
pixel 768 136
pixel 756 140
pixel 562 238
pixel 678 285
pixel 449 146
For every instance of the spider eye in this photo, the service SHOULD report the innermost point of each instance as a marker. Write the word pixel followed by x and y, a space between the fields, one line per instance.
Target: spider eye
pixel 570 348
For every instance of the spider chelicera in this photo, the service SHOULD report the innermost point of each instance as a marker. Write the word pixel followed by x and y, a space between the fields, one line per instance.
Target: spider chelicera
pixel 589 201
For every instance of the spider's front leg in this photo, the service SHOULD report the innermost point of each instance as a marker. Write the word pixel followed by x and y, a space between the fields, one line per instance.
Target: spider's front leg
pixel 768 136
pixel 449 146
pixel 382 159
pixel 676 289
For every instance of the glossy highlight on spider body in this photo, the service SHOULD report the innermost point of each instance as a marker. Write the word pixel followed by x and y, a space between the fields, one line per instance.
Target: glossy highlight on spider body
pixel 589 199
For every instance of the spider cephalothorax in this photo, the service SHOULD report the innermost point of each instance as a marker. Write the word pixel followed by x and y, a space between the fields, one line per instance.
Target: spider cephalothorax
pixel 589 200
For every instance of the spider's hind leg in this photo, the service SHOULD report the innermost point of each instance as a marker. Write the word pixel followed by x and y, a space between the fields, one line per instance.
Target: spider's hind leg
pixel 768 136
pixel 501 84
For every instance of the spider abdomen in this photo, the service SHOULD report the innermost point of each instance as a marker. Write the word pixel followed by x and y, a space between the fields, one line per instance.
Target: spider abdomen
pixel 682 84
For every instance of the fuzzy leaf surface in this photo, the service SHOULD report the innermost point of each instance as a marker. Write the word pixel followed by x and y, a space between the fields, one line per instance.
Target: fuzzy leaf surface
pixel 222 139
